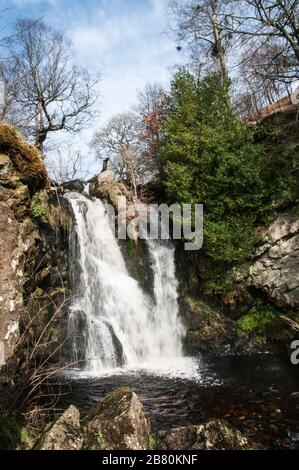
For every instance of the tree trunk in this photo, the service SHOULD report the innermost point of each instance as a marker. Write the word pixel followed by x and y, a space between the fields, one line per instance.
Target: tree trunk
pixel 219 50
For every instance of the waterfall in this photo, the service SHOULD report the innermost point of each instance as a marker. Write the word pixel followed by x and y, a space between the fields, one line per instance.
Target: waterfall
pixel 112 322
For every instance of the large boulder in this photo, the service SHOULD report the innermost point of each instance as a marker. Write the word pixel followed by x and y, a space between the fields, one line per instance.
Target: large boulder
pixel 104 186
pixel 214 435
pixel 117 423
pixel 64 434
pixel 276 270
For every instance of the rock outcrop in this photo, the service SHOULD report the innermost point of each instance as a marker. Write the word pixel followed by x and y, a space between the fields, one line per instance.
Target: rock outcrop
pixel 209 331
pixel 104 186
pixel 64 434
pixel 22 172
pixel 117 423
pixel 214 435
pixel 276 271
pixel 25 158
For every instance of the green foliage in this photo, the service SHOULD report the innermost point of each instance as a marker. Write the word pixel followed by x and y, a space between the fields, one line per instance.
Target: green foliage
pixel 210 157
pixel 257 319
pixel 279 160
pixel 10 430
pixel 39 206
pixel 153 442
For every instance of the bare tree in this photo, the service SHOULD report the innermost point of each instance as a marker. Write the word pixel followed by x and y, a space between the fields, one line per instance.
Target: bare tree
pixel 151 107
pixel 270 18
pixel 200 24
pixel 260 79
pixel 66 164
pixel 120 141
pixel 273 26
pixel 49 92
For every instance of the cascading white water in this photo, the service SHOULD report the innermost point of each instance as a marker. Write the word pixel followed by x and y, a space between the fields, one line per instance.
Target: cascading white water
pixel 112 321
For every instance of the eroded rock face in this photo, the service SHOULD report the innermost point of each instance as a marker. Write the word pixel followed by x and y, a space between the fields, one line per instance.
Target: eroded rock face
pixel 276 271
pixel 117 423
pixel 213 435
pixel 17 235
pixel 22 173
pixel 65 433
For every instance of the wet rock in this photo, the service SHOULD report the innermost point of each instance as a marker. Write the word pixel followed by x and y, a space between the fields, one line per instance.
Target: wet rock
pixel 238 302
pixel 293 436
pixel 74 185
pixel 117 422
pixel 213 435
pixel 64 434
pixel 209 331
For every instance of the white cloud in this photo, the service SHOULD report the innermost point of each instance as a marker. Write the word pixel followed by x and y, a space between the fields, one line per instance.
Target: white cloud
pixel 129 48
pixel 124 40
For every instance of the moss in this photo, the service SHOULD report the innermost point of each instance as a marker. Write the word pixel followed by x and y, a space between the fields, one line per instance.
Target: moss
pixel 258 319
pixel 38 293
pixel 153 442
pixel 26 440
pixel 10 433
pixel 25 157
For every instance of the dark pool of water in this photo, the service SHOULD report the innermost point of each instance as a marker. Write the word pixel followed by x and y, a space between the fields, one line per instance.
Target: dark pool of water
pixel 256 395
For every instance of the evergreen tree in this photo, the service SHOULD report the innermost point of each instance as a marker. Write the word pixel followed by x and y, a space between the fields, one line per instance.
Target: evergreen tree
pixel 210 157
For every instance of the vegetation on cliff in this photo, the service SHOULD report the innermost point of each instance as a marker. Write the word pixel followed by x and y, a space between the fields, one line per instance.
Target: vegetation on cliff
pixel 26 159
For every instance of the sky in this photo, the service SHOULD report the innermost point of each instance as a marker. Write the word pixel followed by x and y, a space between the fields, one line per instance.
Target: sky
pixel 123 40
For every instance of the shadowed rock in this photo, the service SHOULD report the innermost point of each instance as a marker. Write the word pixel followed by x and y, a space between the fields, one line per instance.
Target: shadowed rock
pixel 216 434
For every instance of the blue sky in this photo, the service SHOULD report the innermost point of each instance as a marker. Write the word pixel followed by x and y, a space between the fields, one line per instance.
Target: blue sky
pixel 125 40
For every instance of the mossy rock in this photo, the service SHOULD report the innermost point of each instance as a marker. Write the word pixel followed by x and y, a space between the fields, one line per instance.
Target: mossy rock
pixel 117 423
pixel 25 157
pixel 13 435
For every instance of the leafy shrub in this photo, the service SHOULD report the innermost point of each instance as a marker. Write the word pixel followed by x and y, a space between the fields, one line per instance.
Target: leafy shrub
pixel 257 319
pixel 39 206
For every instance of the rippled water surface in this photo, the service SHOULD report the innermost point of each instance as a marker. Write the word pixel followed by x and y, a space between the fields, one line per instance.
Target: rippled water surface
pixel 257 395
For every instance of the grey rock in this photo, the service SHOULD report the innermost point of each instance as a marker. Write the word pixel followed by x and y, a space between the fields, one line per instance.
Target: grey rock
pixel 64 434
pixel 117 423
pixel 215 434
pixel 276 272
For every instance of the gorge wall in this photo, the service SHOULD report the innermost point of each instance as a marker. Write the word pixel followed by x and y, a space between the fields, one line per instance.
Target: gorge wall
pixel 34 228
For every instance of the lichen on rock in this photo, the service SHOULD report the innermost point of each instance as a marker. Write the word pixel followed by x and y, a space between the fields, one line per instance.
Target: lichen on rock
pixel 117 423
pixel 215 434
pixel 64 434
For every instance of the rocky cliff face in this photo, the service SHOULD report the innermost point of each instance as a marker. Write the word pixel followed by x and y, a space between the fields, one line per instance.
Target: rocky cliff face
pixel 276 270
pixel 257 294
pixel 22 173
